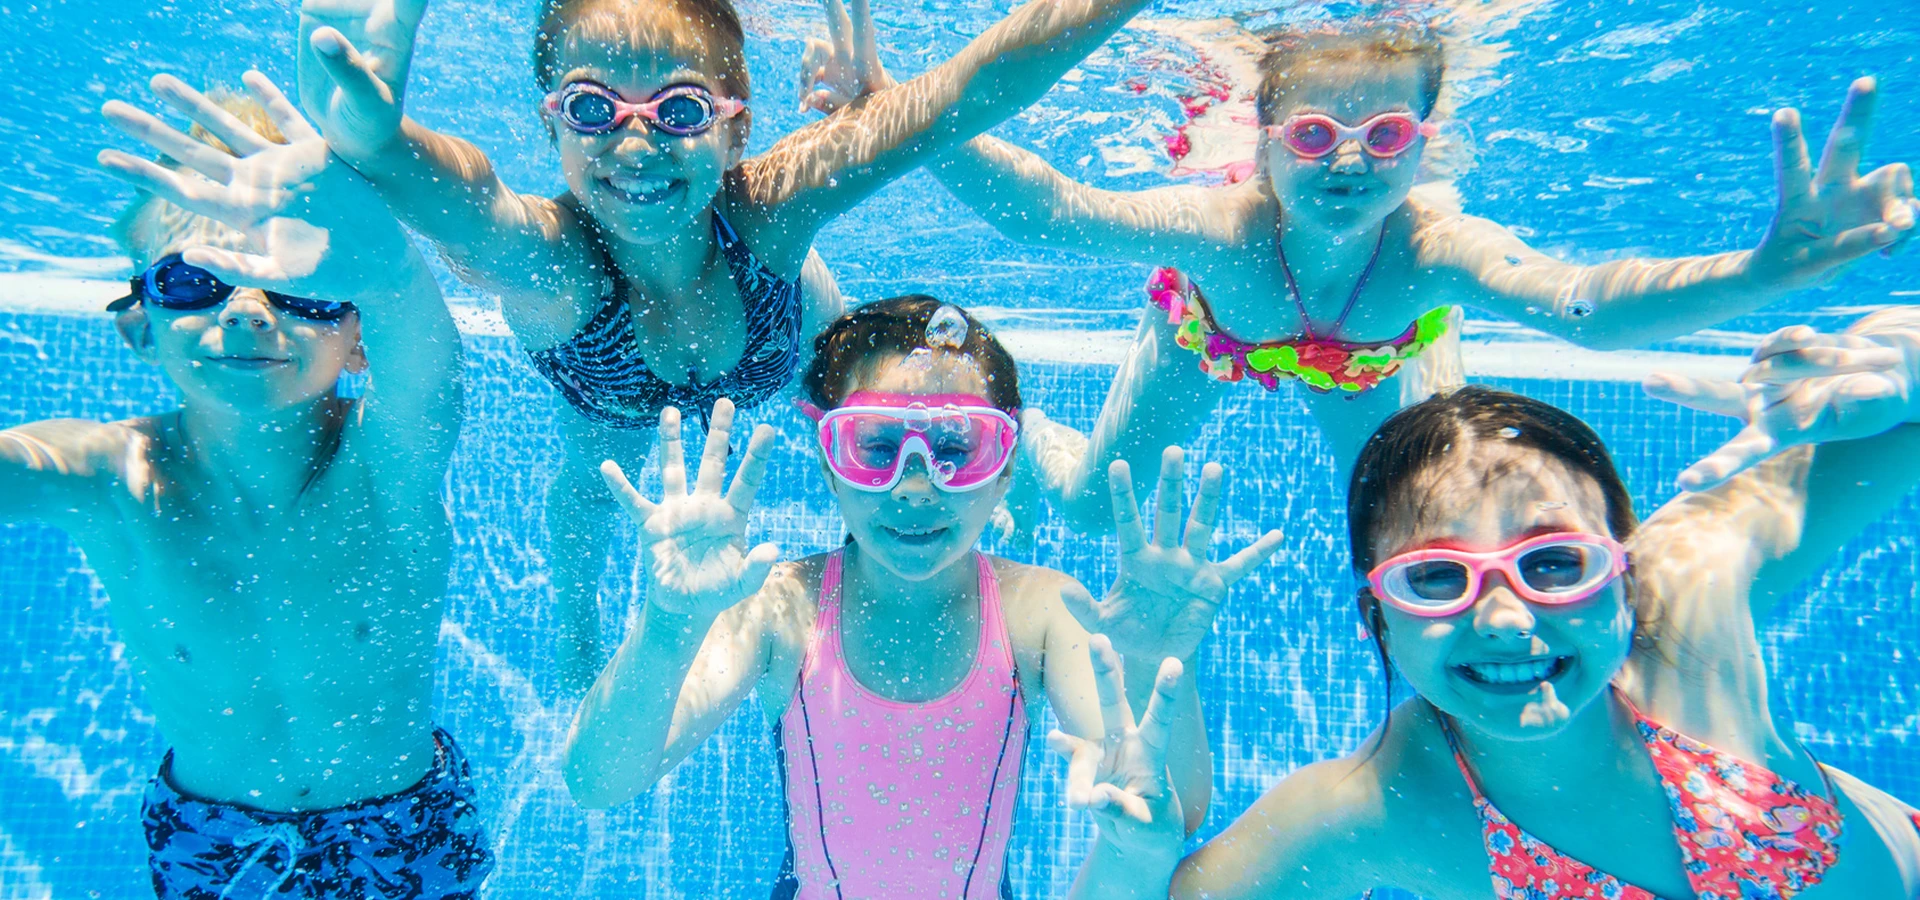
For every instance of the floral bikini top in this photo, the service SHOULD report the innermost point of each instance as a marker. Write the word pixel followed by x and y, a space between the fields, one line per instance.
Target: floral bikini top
pixel 1745 833
pixel 1320 361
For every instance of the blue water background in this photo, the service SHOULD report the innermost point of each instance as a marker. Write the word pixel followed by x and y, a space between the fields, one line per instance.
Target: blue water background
pixel 1620 128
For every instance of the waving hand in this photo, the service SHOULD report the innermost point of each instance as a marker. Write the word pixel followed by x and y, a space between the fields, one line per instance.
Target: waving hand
pixel 1834 215
pixel 844 67
pixel 693 543
pixel 1804 387
pixel 1164 600
pixel 354 58
pixel 297 208
pixel 1122 778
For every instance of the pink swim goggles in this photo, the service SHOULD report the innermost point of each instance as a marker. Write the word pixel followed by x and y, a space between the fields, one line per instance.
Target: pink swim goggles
pixel 1313 135
pixel 682 110
pixel 963 442
pixel 1551 569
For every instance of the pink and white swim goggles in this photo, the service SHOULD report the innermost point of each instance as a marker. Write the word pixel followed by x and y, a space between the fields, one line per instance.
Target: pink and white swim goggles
pixel 1550 569
pixel 962 440
pixel 1313 135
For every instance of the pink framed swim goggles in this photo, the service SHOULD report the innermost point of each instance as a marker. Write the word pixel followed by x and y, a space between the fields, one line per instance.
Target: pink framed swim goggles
pixel 963 442
pixel 681 110
pixel 1550 569
pixel 1313 135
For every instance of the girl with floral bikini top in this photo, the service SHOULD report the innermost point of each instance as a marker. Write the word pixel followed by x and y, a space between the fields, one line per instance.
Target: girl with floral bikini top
pixel 1590 719
pixel 1345 114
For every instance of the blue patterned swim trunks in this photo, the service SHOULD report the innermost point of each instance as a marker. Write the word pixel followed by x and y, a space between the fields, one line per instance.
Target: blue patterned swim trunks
pixel 423 843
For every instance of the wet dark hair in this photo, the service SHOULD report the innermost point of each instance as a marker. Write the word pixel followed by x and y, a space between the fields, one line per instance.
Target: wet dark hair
pixel 1424 434
pixel 710 25
pixel 1386 40
pixel 897 326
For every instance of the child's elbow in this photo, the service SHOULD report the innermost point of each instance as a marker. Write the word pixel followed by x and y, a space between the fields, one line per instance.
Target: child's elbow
pixel 590 783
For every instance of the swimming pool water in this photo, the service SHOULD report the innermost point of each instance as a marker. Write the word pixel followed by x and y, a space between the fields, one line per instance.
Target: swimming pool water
pixel 1612 128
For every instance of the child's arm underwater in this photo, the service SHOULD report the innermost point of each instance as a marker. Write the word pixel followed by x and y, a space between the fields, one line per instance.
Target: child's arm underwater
pixel 354 57
pixel 320 232
pixel 822 170
pixel 1827 219
pixel 1160 607
pixel 701 643
pixel 1014 190
pixel 1833 429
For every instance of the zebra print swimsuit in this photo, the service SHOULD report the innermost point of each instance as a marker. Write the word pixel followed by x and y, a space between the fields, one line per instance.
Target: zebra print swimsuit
pixel 601 373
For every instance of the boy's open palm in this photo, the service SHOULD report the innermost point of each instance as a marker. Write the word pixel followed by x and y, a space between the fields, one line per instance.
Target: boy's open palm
pixel 693 543
pixel 354 57
pixel 315 228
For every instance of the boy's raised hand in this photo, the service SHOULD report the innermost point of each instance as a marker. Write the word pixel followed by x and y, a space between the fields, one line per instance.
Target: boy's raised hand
pixel 693 543
pixel 315 228
pixel 354 56
pixel 1163 602
pixel 1122 778
pixel 1834 215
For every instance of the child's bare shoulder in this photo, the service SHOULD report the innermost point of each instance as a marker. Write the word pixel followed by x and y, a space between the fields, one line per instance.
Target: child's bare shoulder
pixel 63 468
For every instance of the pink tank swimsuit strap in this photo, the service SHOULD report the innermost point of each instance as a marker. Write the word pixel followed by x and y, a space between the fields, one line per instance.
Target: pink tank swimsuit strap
pixel 890 798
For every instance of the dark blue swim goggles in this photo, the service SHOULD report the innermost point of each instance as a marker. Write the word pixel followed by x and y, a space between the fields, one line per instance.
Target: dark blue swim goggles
pixel 172 283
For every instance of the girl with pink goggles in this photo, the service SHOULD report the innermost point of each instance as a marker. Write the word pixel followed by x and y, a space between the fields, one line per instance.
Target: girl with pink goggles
pixel 1313 135
pixel 963 442
pixel 1550 569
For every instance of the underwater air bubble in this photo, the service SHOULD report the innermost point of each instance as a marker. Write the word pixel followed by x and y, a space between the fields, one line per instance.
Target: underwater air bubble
pixel 947 328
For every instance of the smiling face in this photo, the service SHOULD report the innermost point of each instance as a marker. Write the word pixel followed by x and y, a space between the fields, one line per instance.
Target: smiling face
pixel 1347 188
pixel 916 530
pixel 1504 667
pixel 640 183
pixel 245 353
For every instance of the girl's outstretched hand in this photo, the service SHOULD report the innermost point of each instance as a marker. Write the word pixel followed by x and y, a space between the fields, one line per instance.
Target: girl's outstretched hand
pixel 844 67
pixel 311 221
pixel 1122 778
pixel 1833 216
pixel 1804 387
pixel 353 61
pixel 693 543
pixel 1163 602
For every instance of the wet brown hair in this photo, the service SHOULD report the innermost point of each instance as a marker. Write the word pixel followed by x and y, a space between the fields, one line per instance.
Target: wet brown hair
pixel 1294 54
pixel 710 28
pixel 897 326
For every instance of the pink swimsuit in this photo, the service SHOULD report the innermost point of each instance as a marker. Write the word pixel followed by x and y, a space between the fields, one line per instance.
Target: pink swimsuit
pixel 918 797
pixel 1745 833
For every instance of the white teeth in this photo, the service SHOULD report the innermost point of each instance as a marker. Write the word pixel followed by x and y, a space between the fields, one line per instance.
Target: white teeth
pixel 1512 673
pixel 640 186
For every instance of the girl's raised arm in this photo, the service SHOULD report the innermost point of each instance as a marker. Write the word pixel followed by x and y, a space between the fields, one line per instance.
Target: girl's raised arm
pixel 701 643
pixel 354 57
pixel 829 166
pixel 1826 220
pixel 1833 431
pixel 1017 192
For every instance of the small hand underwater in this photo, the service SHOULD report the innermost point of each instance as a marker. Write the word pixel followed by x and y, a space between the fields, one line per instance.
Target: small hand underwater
pixel 845 450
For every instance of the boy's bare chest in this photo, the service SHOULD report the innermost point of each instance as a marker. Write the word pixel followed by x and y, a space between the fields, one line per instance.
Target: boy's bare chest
pixel 319 592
